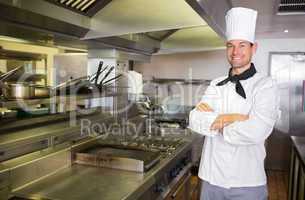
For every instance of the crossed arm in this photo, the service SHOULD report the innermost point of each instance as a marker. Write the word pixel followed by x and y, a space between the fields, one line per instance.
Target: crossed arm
pixel 237 128
pixel 221 120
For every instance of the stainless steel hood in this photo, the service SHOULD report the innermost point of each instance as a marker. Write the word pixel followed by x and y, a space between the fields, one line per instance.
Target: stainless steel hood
pixel 37 22
pixel 43 30
pixel 21 23
pixel 131 25
pixel 116 54
pixel 213 12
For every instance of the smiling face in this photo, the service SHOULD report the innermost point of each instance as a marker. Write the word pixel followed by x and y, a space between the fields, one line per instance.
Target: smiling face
pixel 239 54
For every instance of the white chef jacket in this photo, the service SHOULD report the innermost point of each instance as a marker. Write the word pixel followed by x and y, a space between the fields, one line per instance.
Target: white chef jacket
pixel 235 158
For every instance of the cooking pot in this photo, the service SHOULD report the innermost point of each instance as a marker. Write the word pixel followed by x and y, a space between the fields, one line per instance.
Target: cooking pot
pixel 17 91
pixel 40 91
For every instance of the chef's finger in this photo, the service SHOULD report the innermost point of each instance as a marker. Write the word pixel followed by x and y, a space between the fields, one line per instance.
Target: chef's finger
pixel 214 127
pixel 199 107
pixel 202 108
pixel 205 107
pixel 217 125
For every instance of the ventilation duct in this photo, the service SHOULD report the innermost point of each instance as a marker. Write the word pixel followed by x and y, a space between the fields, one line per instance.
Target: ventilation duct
pixel 291 7
pixel 85 7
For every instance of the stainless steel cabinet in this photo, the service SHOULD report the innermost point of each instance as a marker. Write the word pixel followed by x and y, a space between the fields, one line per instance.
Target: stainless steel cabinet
pixel 296 177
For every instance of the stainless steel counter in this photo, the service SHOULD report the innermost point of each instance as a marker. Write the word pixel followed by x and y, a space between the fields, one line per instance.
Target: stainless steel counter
pixel 299 144
pixel 84 182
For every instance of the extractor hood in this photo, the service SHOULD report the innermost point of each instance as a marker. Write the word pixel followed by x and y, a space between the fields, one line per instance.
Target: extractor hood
pixel 130 25
pixel 31 20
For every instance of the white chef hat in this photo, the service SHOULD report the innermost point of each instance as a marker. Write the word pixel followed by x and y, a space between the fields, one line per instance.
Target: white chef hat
pixel 240 24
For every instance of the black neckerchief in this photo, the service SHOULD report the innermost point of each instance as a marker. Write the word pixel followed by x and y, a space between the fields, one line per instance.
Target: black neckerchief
pixel 236 78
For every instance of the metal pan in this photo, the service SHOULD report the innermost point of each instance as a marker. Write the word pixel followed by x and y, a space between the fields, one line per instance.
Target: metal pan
pixel 5 76
pixel 40 91
pixel 18 91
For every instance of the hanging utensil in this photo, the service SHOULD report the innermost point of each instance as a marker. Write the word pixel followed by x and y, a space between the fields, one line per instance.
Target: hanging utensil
pixel 96 75
pixel 114 86
pixel 106 75
pixel 4 76
pixel 65 88
pixel 98 72
pixel 93 77
pixel 69 82
pixel 114 78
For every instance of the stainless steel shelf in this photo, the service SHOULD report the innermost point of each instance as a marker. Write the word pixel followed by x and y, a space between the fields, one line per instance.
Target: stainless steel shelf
pixel 11 104
pixel 24 76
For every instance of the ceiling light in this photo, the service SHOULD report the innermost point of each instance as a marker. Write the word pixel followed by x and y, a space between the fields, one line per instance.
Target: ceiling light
pixel 286 31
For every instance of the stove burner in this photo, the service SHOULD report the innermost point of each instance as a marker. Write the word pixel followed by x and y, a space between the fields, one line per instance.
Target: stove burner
pixel 165 145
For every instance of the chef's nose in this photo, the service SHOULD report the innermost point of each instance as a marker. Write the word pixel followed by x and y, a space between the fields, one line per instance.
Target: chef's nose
pixel 236 50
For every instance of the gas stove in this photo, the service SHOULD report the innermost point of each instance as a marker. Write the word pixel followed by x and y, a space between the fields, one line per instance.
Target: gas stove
pixel 165 145
pixel 139 153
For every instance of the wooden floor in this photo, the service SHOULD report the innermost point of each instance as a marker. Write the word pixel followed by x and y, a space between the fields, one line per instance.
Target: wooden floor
pixel 277 185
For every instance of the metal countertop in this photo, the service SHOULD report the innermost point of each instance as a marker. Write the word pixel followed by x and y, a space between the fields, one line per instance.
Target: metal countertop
pixel 85 182
pixel 299 143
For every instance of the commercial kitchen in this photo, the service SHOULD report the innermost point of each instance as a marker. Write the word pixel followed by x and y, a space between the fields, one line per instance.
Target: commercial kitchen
pixel 95 95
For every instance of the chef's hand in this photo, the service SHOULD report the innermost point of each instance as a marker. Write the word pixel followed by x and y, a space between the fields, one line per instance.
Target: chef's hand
pixel 204 107
pixel 226 119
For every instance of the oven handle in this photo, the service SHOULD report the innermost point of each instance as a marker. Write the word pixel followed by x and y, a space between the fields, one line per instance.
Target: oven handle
pixel 173 196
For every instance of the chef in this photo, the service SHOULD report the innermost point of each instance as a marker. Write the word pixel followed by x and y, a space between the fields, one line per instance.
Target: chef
pixel 236 114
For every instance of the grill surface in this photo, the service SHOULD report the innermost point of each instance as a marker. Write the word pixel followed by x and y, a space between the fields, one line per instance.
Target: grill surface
pixel 118 157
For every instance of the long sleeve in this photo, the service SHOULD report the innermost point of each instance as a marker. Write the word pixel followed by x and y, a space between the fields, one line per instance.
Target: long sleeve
pixel 262 118
pixel 199 121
